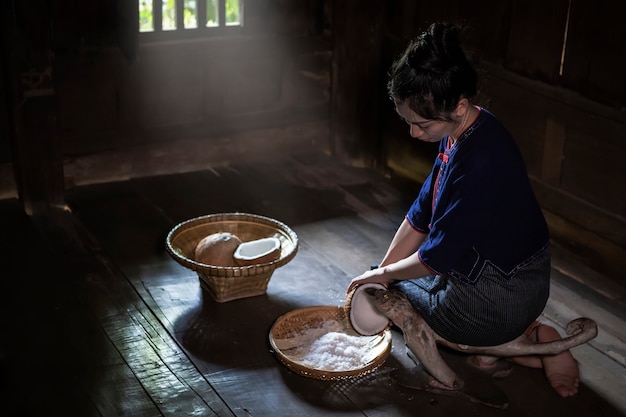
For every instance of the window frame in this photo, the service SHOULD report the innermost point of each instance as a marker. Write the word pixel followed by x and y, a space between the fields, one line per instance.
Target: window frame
pixel 159 34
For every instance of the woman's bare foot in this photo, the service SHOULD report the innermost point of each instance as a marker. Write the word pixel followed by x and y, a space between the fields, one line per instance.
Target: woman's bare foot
pixel 492 365
pixel 562 369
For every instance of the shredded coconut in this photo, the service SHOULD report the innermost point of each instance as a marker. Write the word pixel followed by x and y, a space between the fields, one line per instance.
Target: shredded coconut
pixel 333 350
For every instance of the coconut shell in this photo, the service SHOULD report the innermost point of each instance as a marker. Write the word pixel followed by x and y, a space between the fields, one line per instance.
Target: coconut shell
pixel 217 249
pixel 364 316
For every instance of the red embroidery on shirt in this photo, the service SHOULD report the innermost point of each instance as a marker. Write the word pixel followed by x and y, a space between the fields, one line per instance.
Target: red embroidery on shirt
pixel 444 159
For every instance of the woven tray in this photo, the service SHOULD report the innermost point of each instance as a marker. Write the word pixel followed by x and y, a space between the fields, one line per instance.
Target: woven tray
pixel 293 332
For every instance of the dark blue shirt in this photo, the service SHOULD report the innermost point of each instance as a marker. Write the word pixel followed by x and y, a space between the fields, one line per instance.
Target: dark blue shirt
pixel 484 210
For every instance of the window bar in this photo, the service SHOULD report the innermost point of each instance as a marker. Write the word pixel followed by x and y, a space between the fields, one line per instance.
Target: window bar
pixel 240 15
pixel 221 10
pixel 201 10
pixel 180 14
pixel 157 15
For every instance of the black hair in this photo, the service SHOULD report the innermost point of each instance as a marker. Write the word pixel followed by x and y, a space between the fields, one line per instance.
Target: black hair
pixel 433 73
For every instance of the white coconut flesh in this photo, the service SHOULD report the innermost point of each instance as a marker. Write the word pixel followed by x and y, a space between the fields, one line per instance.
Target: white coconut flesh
pixel 258 251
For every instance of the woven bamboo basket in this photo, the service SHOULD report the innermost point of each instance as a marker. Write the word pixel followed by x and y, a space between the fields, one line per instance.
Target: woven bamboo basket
pixel 225 283
pixel 287 341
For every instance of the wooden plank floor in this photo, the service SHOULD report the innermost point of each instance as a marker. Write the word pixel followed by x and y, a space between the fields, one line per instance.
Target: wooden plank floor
pixel 98 320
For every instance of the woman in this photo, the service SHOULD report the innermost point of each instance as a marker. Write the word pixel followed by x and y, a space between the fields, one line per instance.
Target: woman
pixel 472 254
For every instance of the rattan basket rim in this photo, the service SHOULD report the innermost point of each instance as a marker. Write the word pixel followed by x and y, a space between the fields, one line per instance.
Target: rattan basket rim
pixel 321 312
pixel 230 271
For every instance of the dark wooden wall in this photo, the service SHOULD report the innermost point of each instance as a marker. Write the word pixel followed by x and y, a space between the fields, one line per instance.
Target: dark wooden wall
pixel 91 100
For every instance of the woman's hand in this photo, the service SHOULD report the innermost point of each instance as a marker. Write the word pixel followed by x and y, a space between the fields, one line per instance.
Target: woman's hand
pixel 374 275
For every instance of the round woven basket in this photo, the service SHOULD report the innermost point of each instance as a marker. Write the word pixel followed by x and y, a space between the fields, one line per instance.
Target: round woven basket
pixel 226 283
pixel 286 339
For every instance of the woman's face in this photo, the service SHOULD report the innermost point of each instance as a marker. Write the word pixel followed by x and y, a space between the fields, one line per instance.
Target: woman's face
pixel 423 129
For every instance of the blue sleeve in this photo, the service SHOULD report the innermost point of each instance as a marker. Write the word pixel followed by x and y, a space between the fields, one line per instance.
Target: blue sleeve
pixel 420 212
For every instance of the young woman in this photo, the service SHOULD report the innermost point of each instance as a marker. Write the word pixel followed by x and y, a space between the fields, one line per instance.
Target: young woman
pixel 472 254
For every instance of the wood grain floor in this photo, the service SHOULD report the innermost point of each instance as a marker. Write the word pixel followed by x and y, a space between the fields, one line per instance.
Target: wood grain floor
pixel 98 320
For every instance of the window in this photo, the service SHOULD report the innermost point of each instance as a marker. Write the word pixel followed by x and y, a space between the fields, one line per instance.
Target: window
pixel 184 15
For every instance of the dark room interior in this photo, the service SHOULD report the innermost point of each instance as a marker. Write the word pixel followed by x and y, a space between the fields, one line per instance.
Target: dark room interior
pixel 121 119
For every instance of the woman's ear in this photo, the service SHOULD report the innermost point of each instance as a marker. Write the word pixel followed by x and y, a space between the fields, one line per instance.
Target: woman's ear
pixel 462 107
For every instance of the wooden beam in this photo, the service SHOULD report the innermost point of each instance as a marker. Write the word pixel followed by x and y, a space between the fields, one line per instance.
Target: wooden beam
pixel 553 152
pixel 356 80
pixel 38 160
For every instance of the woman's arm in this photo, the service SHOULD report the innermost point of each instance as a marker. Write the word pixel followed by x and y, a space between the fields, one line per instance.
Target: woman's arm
pixel 400 262
pixel 405 242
